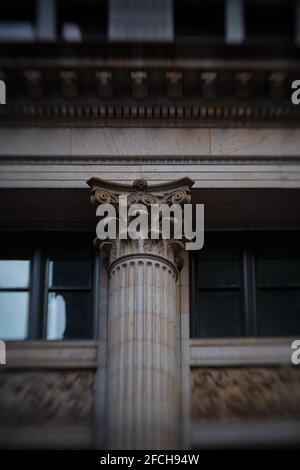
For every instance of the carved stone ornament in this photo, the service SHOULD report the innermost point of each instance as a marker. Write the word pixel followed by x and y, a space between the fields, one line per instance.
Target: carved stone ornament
pixel 175 192
pixel 107 192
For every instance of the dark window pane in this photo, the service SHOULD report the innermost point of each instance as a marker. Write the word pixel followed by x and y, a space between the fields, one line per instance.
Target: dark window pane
pixel 278 272
pixel 264 19
pixel 13 315
pixel 14 273
pixel 262 270
pixel 194 18
pixel 14 10
pixel 70 273
pixel 219 314
pixel 218 273
pixel 279 312
pixel 87 18
pixel 69 315
pixel 218 283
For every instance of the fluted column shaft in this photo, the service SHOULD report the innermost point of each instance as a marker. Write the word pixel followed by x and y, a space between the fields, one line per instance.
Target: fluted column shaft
pixel 142 365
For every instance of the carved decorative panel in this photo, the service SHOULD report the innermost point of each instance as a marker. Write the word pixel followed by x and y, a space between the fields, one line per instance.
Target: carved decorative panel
pixel 221 394
pixel 45 397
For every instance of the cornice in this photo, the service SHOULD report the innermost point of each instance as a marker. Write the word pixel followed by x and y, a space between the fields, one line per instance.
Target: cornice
pixel 138 159
pixel 165 87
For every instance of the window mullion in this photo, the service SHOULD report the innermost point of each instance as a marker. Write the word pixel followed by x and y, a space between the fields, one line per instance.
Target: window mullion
pixel 195 323
pixel 45 294
pixel 36 295
pixel 249 297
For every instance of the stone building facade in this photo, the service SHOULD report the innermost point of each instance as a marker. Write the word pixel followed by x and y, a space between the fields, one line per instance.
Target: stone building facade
pixel 161 119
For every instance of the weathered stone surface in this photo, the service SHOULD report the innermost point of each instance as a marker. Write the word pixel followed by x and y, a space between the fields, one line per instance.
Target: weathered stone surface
pixel 227 394
pixel 141 142
pixel 37 398
pixel 280 142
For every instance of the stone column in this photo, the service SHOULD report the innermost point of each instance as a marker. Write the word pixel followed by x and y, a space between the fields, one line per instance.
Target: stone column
pixel 143 376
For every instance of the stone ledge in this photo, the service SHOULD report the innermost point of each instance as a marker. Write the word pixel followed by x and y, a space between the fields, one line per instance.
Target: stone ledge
pixel 240 351
pixel 51 355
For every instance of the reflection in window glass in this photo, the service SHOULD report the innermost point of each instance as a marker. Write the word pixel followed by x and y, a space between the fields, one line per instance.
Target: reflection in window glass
pixel 69 315
pixel 13 315
pixel 56 317
pixel 14 273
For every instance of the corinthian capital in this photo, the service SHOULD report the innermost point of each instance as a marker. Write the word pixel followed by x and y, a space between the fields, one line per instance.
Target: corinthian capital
pixel 107 192
pixel 152 242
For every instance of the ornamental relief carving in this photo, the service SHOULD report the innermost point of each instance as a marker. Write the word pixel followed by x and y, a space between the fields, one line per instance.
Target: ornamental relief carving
pixel 106 197
pixel 142 198
pixel 36 398
pixel 253 393
pixel 102 196
pixel 177 192
pixel 107 192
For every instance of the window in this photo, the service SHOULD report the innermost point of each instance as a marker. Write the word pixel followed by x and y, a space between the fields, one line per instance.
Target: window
pixel 82 20
pixel 17 21
pixel 246 285
pixel 202 20
pixel 47 287
pixel 14 296
pixel 133 20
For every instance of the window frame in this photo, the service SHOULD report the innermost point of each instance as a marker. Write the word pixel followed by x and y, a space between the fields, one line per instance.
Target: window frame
pixel 36 245
pixel 250 320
